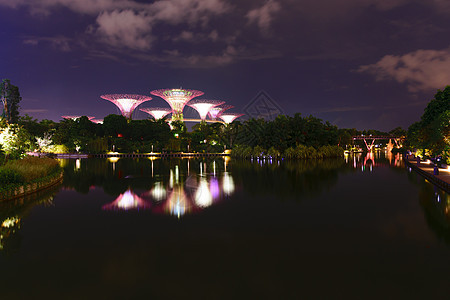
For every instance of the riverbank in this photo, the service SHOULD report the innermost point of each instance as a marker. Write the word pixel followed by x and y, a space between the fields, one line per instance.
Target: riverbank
pixel 130 155
pixel 31 188
pixel 426 169
pixel 25 176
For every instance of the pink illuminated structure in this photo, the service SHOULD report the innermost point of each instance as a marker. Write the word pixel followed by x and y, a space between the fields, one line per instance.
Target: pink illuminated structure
pixel 127 103
pixel 203 106
pixel 230 117
pixel 216 111
pixel 177 99
pixel 97 121
pixel 157 112
pixel 76 117
pixel 126 201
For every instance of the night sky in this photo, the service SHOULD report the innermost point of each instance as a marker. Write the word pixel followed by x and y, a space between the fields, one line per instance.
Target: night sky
pixel 365 64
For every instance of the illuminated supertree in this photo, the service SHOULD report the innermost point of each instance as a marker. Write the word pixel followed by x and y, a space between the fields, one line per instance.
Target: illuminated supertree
pixel 230 117
pixel 127 103
pixel 97 121
pixel 202 106
pixel 216 111
pixel 177 99
pixel 76 117
pixel 157 112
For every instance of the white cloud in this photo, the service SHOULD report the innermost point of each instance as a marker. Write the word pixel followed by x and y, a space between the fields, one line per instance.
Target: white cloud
pixel 263 15
pixel 421 70
pixel 125 29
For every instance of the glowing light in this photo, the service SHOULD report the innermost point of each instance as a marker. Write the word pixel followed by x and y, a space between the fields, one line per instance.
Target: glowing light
pixel 177 203
pixel 230 117
pixel 78 164
pixel 113 159
pixel 216 111
pixel 177 99
pixel 203 197
pixel 126 201
pixel 127 103
pixel 76 117
pixel 97 121
pixel 227 184
pixel 159 191
pixel 157 113
pixel 203 106
pixel 214 188
pixel 10 222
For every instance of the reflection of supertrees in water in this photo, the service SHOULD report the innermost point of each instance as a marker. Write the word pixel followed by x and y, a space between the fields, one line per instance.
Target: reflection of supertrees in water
pixel 216 111
pixel 157 113
pixel 126 201
pixel 230 117
pixel 371 160
pixel 177 99
pixel 177 197
pixel 203 106
pixel 127 103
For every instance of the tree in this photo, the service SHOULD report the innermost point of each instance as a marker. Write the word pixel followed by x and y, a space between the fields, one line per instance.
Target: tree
pixel 10 97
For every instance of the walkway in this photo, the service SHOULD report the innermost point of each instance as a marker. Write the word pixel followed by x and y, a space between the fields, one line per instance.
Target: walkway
pixel 426 169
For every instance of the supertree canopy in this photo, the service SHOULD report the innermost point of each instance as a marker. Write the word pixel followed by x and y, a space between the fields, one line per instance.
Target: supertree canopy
pixel 157 112
pixel 230 117
pixel 76 117
pixel 177 99
pixel 97 121
pixel 127 103
pixel 216 111
pixel 202 106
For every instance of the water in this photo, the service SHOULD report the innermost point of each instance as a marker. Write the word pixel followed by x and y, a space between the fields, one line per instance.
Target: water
pixel 364 228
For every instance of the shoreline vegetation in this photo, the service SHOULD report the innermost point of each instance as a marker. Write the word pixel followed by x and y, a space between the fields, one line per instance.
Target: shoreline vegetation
pixel 28 175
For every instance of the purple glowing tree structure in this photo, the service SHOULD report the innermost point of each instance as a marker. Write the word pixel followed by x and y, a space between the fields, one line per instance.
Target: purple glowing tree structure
pixel 127 103
pixel 216 111
pixel 230 117
pixel 203 106
pixel 177 99
pixel 157 112
pixel 74 117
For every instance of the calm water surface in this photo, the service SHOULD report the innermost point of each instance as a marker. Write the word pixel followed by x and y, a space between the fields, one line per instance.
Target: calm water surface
pixel 362 228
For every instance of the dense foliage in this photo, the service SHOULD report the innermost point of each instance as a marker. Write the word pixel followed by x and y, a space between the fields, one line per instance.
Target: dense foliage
pixel 27 170
pixel 10 97
pixel 431 135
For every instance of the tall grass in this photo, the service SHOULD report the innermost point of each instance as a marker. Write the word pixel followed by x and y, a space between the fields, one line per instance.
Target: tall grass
pixel 27 170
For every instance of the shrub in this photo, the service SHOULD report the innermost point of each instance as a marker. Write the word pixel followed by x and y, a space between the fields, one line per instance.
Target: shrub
pixel 8 176
pixel 32 168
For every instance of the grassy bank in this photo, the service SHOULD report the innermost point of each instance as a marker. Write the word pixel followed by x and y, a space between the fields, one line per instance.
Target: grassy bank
pixel 19 172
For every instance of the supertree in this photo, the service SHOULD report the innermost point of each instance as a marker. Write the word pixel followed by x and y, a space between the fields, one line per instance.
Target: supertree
pixel 202 106
pixel 216 111
pixel 157 112
pixel 74 117
pixel 177 99
pixel 230 117
pixel 127 103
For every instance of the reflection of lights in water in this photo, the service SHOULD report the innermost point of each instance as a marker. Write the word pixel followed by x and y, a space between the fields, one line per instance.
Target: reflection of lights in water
pixel 113 159
pixel 214 168
pixel 227 184
pixel 177 174
pixel 159 191
pixel 226 159
pixel 10 222
pixel 77 163
pixel 214 188
pixel 201 169
pixel 203 197
pixel 177 203
pixel 125 201
pixel 171 179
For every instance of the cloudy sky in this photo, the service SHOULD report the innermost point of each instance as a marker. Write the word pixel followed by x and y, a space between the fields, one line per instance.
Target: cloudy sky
pixel 365 64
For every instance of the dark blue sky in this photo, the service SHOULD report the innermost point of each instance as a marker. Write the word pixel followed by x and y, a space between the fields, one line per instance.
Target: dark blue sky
pixel 365 64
